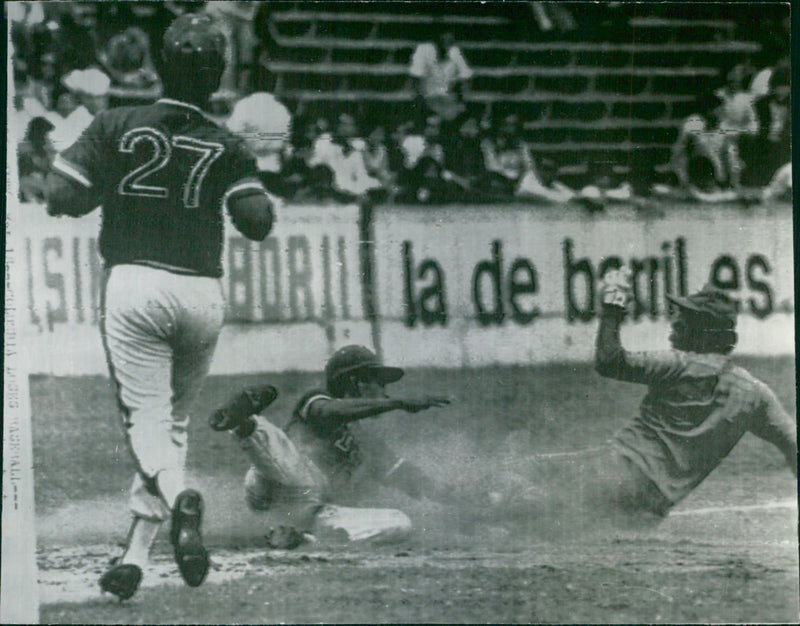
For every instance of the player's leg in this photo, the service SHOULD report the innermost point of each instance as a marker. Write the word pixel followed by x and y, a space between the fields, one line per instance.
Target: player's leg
pixel 198 308
pixel 614 488
pixel 139 360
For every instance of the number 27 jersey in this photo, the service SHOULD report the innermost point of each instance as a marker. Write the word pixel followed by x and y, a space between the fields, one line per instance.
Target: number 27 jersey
pixel 162 173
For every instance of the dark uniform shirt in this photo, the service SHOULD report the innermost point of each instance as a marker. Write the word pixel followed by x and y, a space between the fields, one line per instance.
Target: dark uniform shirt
pixel 349 456
pixel 162 174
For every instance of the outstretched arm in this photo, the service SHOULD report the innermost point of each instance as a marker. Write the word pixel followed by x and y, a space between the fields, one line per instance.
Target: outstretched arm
pixel 340 411
pixel 611 359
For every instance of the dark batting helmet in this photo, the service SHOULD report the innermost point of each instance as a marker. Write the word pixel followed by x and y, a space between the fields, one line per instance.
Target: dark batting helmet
pixel 192 57
pixel 706 321
pixel 717 307
pixel 356 361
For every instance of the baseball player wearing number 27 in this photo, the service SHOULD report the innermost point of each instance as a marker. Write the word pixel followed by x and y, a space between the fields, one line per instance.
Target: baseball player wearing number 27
pixel 163 173
pixel 698 404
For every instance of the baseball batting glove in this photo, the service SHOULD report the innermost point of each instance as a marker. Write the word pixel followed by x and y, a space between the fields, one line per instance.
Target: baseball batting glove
pixel 616 288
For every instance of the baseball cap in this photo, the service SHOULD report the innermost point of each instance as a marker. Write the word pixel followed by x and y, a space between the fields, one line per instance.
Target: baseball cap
pixel 710 301
pixel 265 124
pixel 92 82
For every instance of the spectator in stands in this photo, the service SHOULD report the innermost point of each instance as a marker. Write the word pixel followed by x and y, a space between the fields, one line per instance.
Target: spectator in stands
pixel 296 172
pixel 507 157
pixel 342 152
pixel 35 155
pixel 737 115
pixel 266 125
pixel 77 46
pixel 90 89
pixel 463 159
pixel 705 158
pixel 424 178
pixel 440 73
pixel 780 187
pixel 128 63
pixel 236 21
pixel 542 185
pixel 771 147
pixel 376 159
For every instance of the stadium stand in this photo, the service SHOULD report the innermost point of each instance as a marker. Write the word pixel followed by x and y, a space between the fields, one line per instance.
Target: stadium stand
pixel 622 84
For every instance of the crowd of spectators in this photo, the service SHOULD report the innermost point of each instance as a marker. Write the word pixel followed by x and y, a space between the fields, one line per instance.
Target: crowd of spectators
pixel 71 60
pixel 738 139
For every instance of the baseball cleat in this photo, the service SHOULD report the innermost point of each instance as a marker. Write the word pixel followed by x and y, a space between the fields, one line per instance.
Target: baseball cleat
pixel 249 402
pixel 122 580
pixel 187 543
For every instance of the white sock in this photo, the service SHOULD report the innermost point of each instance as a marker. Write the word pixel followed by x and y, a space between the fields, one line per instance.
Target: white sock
pixel 140 539
pixel 170 484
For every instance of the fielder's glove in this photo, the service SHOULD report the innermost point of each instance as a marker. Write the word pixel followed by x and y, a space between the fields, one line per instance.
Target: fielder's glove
pixel 616 288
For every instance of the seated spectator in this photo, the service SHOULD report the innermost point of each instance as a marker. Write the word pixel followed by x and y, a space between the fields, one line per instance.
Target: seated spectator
pixel 265 124
pixel 737 115
pixel 90 89
pixel 236 21
pixel 705 159
pixel 34 156
pixel 127 61
pixel 780 187
pixel 464 160
pixel 376 159
pixel 302 182
pixel 541 185
pixel 424 177
pixel 771 147
pixel 342 151
pixel 507 157
pixel 439 73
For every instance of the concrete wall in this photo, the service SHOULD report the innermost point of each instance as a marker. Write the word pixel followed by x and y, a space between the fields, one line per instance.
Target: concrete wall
pixel 450 286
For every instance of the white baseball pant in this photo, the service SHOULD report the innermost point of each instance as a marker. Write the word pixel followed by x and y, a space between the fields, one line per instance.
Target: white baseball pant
pixel 291 487
pixel 159 331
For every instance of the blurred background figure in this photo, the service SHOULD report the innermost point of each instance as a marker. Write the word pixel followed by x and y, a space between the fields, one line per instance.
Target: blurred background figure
pixel 235 19
pixel 507 157
pixel 377 159
pixel 90 90
pixel 34 156
pixel 705 159
pixel 440 74
pixel 342 152
pixel 771 147
pixel 128 62
pixel 542 185
pixel 463 159
pixel 266 125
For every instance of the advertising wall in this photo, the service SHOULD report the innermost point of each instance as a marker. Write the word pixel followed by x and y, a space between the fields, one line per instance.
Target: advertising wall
pixel 446 286
pixel 474 285
pixel 291 299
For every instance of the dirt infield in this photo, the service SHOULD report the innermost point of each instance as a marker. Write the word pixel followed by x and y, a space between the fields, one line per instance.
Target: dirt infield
pixel 726 554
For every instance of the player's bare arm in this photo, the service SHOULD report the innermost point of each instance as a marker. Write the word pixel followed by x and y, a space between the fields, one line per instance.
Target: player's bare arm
pixel 344 410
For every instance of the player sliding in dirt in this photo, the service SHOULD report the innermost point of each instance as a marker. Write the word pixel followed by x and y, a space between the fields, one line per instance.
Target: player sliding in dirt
pixel 698 403
pixel 697 407
pixel 321 455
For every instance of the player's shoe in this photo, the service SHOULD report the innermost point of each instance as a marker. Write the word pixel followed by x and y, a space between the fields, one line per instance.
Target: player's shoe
pixel 122 580
pixel 249 402
pixel 187 543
